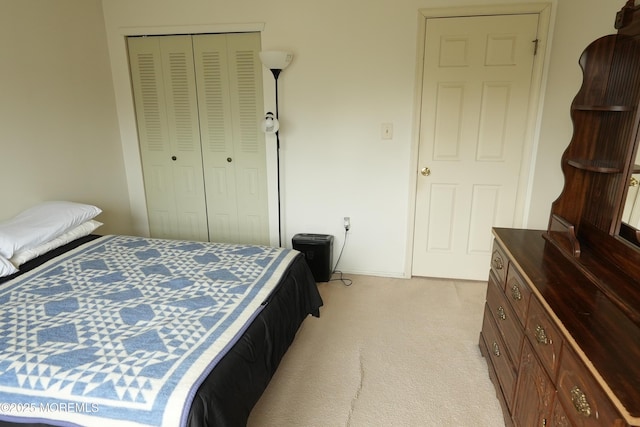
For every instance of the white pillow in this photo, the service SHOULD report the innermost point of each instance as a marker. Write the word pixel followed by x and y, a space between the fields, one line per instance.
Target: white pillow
pixel 6 268
pixel 24 255
pixel 42 223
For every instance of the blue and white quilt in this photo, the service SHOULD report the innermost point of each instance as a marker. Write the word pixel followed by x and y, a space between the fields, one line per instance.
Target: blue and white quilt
pixel 123 330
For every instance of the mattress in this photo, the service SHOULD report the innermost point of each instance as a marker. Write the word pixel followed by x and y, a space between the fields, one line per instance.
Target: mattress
pixel 226 393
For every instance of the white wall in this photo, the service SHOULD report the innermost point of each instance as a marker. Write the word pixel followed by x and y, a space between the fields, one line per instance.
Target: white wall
pixel 354 68
pixel 58 127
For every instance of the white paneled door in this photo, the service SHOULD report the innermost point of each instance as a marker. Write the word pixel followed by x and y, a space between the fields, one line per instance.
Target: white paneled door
pixel 475 102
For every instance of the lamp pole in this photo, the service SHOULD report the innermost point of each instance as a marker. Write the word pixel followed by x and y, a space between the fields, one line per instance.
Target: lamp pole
pixel 276 73
pixel 276 61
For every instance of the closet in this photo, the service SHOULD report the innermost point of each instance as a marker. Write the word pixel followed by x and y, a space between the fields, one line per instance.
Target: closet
pixel 198 102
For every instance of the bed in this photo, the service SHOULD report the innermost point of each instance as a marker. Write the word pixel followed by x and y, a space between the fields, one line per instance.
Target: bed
pixel 126 333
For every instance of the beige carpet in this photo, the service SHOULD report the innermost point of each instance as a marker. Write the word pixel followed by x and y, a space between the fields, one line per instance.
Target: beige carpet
pixel 386 352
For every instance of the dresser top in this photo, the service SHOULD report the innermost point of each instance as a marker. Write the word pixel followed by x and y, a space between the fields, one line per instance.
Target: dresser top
pixel 603 332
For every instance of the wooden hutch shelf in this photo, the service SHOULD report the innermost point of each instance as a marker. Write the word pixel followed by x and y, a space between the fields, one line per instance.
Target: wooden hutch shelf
pixel 611 108
pixel 600 166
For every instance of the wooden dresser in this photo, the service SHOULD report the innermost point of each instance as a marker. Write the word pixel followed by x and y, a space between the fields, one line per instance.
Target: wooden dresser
pixel 559 351
pixel 561 328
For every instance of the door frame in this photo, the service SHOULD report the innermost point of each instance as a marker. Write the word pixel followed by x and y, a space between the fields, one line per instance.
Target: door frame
pixel 545 11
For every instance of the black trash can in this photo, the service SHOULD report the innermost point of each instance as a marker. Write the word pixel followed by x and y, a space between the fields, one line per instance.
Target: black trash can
pixel 318 252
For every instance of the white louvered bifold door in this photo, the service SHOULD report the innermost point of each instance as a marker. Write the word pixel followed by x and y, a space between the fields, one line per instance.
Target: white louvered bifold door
pixel 198 105
pixel 229 82
pixel 163 82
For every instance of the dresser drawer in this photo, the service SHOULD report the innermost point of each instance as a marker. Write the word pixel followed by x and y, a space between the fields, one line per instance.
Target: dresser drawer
pixel 506 413
pixel 535 391
pixel 544 336
pixel 505 319
pixel 499 359
pixel 518 293
pixel 499 263
pixel 585 403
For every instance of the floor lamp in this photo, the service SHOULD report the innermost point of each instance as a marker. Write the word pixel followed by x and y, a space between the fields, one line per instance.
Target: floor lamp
pixel 276 61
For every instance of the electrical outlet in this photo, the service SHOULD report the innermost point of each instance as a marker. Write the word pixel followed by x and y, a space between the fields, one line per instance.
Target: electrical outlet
pixel 347 223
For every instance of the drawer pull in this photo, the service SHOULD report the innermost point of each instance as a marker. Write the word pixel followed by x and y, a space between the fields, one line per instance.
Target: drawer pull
pixel 515 292
pixel 497 263
pixel 496 349
pixel 541 335
pixel 579 400
pixel 501 313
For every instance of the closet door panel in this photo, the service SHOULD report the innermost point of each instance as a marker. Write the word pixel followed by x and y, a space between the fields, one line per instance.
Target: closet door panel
pixel 249 140
pixel 153 134
pixel 184 134
pixel 212 76
pixel 229 81
pixel 163 80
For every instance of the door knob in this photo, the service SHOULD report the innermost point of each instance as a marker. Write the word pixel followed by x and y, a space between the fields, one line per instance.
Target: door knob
pixel 174 158
pixel 229 159
pixel 425 171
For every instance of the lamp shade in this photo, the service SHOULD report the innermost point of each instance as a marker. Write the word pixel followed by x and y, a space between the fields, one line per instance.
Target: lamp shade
pixel 276 59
